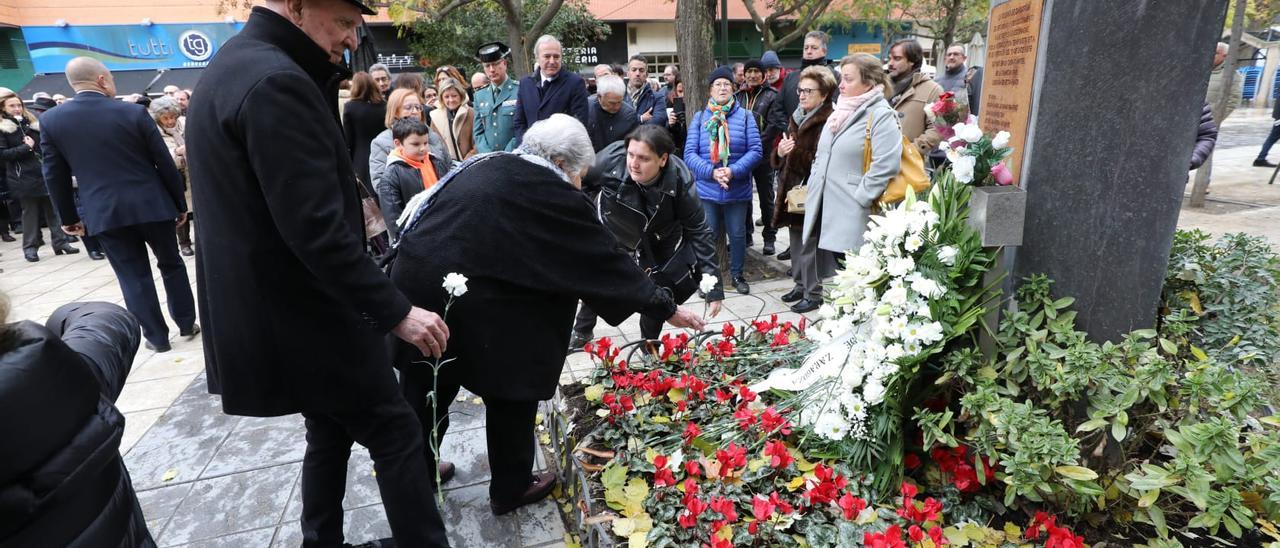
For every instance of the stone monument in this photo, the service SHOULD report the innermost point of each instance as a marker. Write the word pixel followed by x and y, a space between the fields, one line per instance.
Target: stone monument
pixel 1102 100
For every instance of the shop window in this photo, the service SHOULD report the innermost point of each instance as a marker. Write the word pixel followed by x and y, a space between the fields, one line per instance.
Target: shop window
pixel 659 61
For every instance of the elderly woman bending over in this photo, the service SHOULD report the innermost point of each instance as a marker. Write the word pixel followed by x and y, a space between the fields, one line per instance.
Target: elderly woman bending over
pixel 502 220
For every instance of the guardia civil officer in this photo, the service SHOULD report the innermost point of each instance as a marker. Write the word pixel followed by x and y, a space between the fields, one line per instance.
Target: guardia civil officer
pixel 495 104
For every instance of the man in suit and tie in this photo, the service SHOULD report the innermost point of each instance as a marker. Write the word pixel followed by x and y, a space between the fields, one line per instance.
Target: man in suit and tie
pixel 549 90
pixel 494 128
pixel 130 190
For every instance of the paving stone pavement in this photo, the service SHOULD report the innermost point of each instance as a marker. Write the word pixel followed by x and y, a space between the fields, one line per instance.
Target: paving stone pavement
pixel 233 481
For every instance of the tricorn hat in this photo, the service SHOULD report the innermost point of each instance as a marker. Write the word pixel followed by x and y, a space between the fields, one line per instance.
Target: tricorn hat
pixel 492 51
pixel 363 8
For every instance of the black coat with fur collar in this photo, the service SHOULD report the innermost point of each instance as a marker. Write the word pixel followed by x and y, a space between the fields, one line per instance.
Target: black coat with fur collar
pixel 21 162
pixel 531 247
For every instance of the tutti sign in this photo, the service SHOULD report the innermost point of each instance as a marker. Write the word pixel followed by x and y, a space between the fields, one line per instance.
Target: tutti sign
pixel 128 47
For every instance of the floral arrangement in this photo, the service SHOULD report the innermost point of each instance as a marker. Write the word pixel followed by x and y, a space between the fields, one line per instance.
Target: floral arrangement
pixel 946 112
pixel 976 158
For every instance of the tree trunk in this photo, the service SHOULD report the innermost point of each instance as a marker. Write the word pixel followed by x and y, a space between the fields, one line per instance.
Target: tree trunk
pixel 1201 186
pixel 511 10
pixel 694 37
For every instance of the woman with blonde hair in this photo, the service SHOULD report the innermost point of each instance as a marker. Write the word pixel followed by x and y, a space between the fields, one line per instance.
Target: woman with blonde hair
pixel 453 120
pixel 842 190
pixel 20 152
pixel 404 103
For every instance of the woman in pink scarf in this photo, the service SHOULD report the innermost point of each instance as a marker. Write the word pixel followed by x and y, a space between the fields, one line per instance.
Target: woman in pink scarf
pixel 842 188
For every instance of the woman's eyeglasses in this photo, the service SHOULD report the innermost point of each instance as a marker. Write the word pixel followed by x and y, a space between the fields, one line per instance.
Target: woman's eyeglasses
pixel 412 107
pixel 805 91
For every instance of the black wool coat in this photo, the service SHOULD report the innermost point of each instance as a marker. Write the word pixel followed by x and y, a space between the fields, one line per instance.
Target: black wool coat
pixel 62 480
pixel 294 312
pixel 531 247
pixel 21 163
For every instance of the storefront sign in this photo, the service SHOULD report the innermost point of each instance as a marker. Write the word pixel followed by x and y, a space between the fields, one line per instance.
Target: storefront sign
pixel 873 49
pixel 128 47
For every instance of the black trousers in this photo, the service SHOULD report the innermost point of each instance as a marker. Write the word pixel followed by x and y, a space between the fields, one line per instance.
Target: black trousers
pixel 509 429
pixel 763 176
pixel 31 210
pixel 126 249
pixel 393 436
pixel 650 327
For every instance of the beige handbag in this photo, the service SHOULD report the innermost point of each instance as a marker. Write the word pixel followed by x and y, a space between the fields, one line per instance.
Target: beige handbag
pixel 374 223
pixel 795 199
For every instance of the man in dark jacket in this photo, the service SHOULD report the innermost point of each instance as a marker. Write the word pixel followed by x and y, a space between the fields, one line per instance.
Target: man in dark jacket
pixel 295 312
pixel 646 197
pixel 651 106
pixel 610 118
pixel 1206 137
pixel 759 98
pixel 549 90
pixel 62 481
pixel 130 190
pixel 502 220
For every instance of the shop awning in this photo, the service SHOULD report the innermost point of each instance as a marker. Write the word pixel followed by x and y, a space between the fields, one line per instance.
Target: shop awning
pixel 127 82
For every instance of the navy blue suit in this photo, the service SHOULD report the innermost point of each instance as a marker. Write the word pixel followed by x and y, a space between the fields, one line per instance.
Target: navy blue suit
pixel 567 94
pixel 130 192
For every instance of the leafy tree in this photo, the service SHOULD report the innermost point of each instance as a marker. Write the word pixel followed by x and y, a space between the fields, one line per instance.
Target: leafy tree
pixel 453 38
pixel 466 24
pixel 945 20
pixel 801 12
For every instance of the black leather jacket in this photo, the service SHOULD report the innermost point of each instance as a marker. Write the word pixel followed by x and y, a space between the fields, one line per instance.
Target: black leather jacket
pixel 661 224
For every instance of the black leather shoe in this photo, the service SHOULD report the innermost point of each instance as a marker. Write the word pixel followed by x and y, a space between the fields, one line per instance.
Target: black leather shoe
pixel 1262 162
pixel 792 296
pixel 768 248
pixel 191 333
pixel 65 248
pixel 760 221
pixel 785 255
pixel 157 348
pixel 788 272
pixel 741 285
pixel 5 236
pixel 186 251
pixel 805 305
pixel 73 238
pixel 579 340
pixel 31 255
pixel 96 255
pixel 539 489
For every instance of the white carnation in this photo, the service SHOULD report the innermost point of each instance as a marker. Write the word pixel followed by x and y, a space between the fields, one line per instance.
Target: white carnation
pixel 707 284
pixel 901 266
pixel 455 284
pixel 873 393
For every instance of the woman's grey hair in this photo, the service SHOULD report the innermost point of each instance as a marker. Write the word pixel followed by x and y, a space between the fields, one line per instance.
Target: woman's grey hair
pixel 161 106
pixel 610 84
pixel 561 139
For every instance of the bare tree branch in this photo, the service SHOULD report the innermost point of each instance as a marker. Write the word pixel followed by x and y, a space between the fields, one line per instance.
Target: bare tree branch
pixel 815 11
pixel 553 7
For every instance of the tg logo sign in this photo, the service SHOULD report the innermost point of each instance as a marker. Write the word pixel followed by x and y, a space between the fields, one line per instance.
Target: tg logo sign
pixel 195 45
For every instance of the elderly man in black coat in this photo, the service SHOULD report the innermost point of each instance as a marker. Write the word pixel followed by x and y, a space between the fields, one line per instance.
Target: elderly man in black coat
pixel 610 118
pixel 527 239
pixel 549 90
pixel 295 312
pixel 62 481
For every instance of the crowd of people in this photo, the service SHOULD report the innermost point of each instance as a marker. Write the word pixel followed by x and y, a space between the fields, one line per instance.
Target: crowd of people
pixel 332 205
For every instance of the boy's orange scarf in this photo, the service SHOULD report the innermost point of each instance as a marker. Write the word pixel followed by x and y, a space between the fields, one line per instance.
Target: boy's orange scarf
pixel 424 168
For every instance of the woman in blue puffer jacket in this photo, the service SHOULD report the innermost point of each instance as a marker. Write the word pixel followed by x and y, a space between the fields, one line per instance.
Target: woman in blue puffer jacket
pixel 722 148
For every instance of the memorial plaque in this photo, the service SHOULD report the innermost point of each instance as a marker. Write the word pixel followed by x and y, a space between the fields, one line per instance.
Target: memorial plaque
pixel 1007 88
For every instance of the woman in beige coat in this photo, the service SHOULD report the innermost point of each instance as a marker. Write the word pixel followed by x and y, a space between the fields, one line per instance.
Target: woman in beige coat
pixel 168 116
pixel 841 193
pixel 453 119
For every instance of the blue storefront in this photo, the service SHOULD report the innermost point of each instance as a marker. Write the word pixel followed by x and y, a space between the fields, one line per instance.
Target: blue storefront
pixel 144 58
